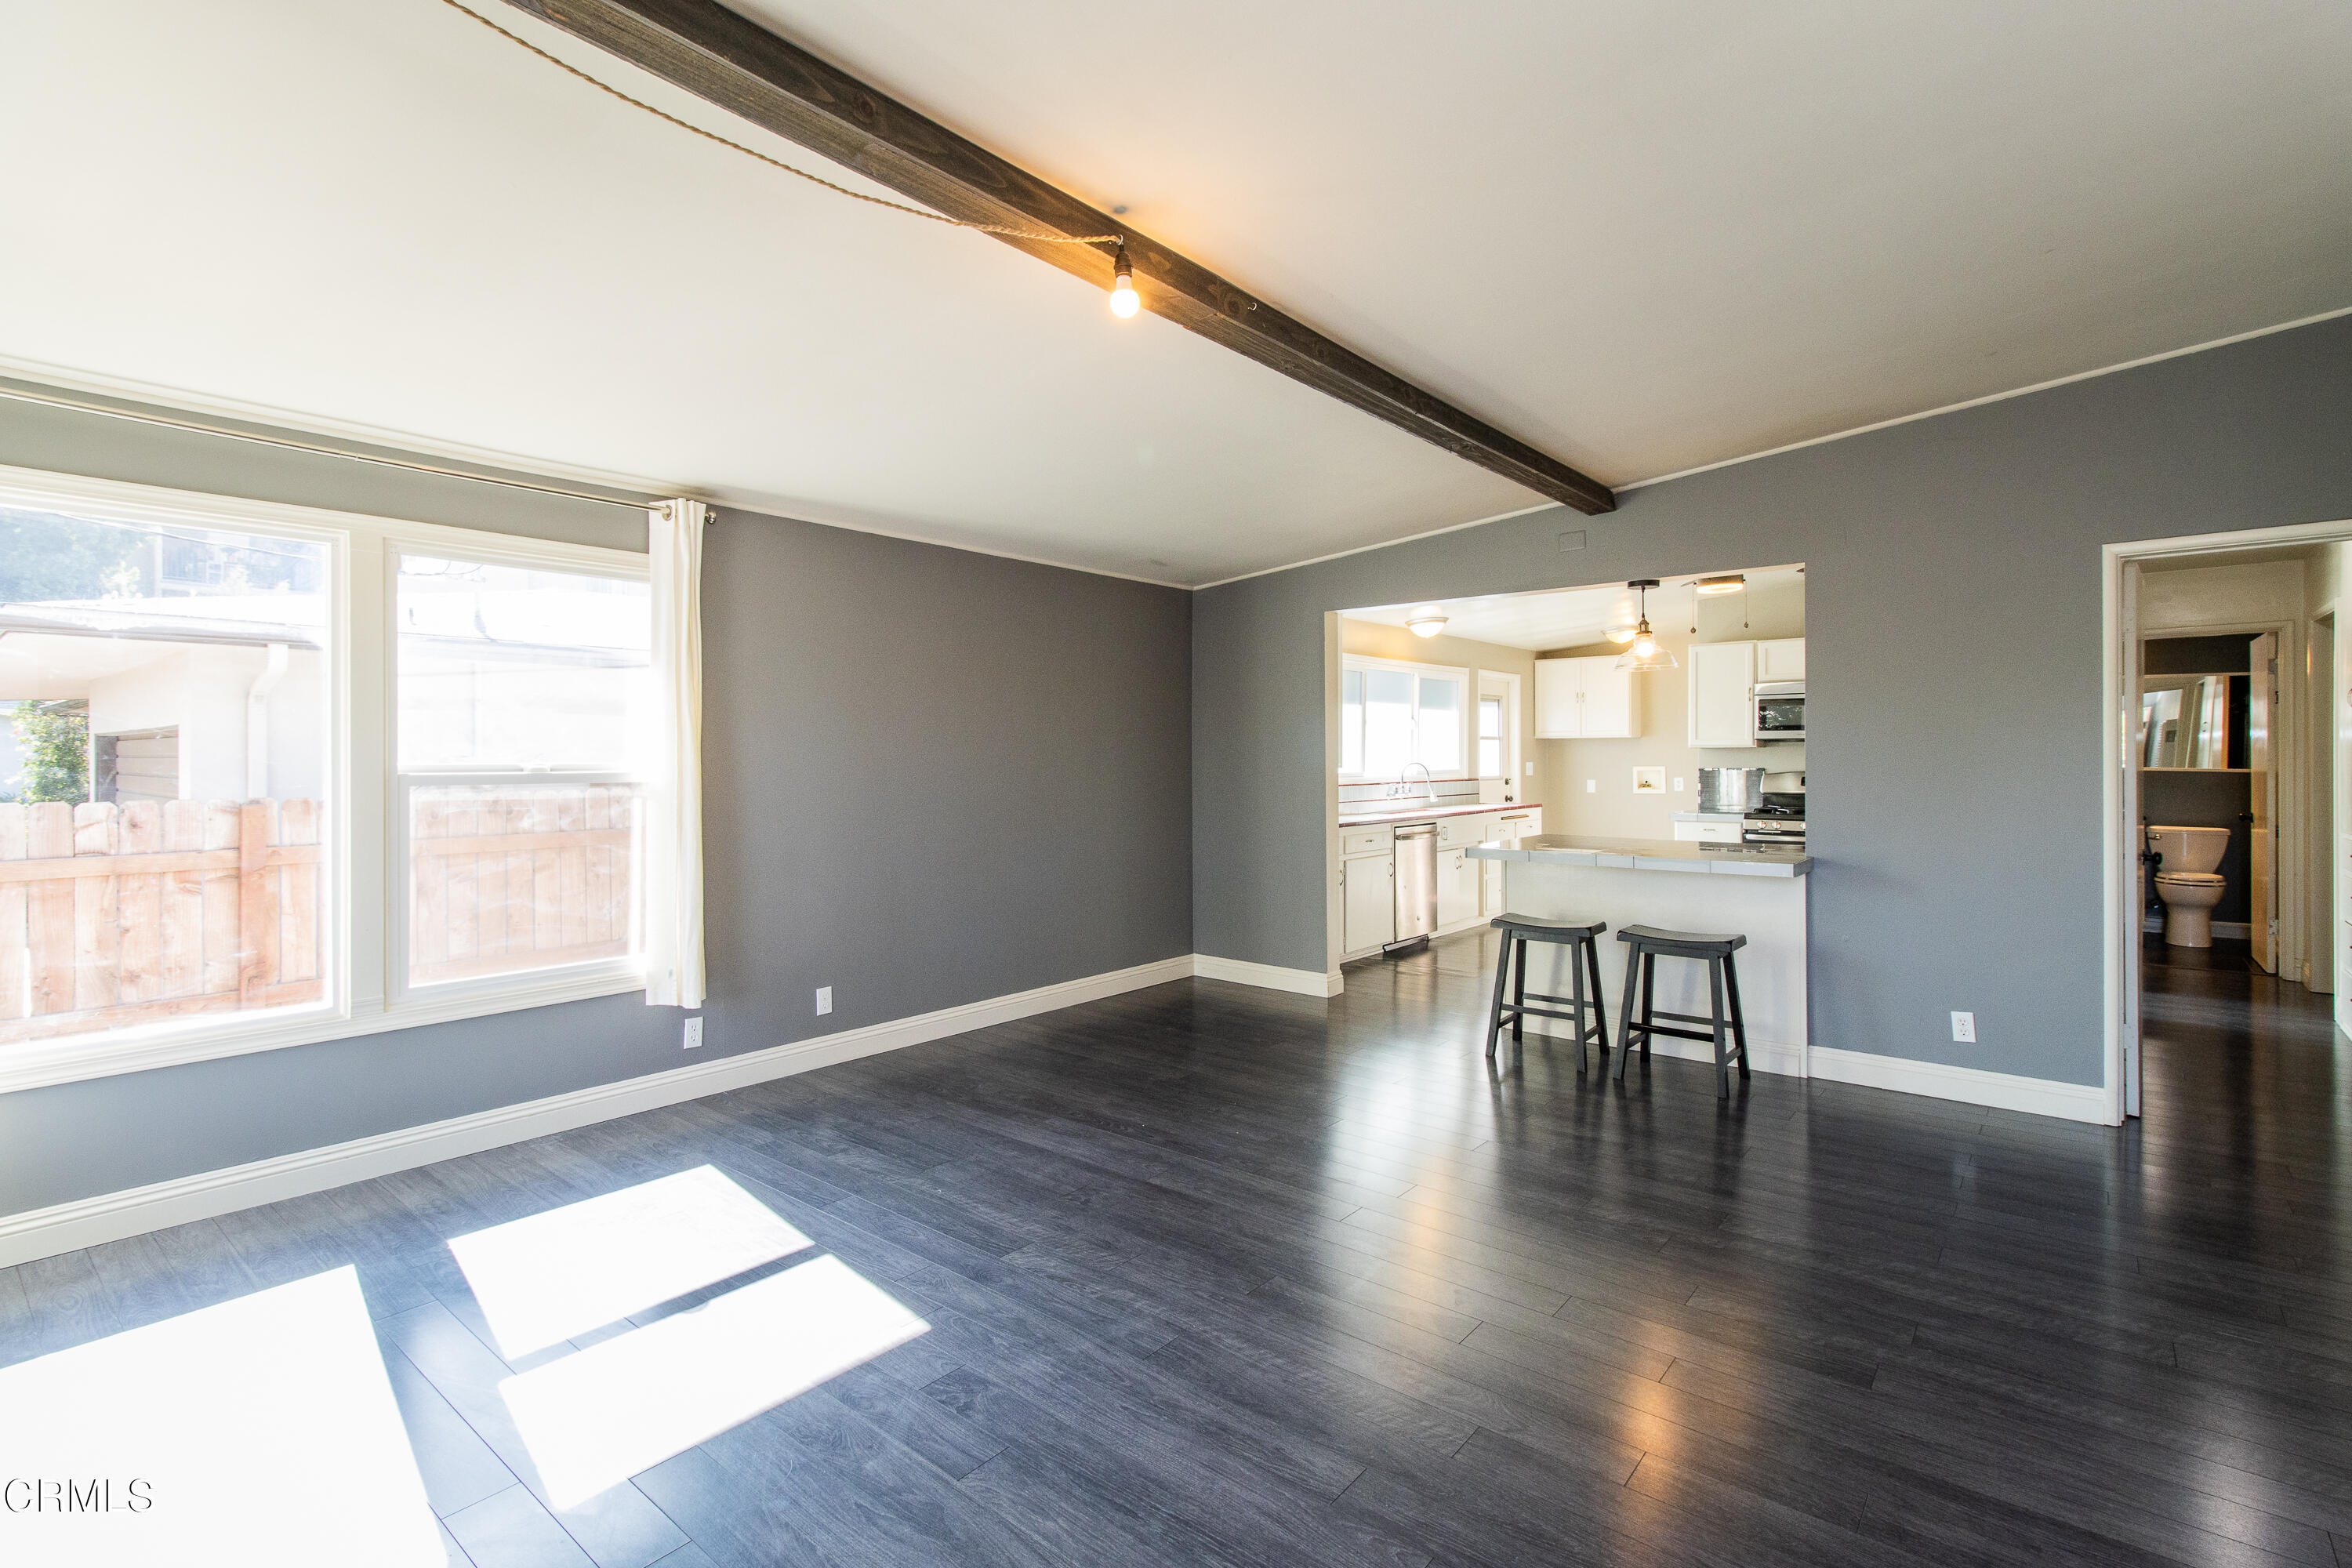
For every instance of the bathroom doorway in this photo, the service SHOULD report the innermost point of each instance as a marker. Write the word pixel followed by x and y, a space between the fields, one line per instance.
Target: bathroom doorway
pixel 2230 933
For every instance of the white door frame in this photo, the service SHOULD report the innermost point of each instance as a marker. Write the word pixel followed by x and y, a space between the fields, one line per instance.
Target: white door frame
pixel 2119 728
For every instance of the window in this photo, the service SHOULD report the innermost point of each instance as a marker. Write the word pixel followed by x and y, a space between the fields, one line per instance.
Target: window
pixel 270 775
pixel 1393 716
pixel 523 714
pixel 1491 761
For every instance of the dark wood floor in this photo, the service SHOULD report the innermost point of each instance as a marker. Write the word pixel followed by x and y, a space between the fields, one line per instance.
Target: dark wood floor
pixel 1218 1276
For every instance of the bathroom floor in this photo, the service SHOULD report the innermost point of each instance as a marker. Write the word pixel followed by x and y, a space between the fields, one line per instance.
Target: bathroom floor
pixel 2228 956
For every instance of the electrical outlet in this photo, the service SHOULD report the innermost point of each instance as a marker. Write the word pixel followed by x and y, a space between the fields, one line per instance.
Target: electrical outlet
pixel 1531 770
pixel 1679 783
pixel 694 1034
pixel 1593 786
pixel 1964 1028
pixel 823 1000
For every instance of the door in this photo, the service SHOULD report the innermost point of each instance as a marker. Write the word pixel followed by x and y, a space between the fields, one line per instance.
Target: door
pixel 2262 703
pixel 1558 691
pixel 1610 707
pixel 1723 694
pixel 1368 917
pixel 2133 848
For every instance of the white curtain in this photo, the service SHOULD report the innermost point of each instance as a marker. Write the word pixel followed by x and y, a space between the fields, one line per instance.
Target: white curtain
pixel 674 830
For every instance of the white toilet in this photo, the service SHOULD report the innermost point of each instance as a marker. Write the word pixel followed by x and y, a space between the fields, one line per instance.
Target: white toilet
pixel 2187 880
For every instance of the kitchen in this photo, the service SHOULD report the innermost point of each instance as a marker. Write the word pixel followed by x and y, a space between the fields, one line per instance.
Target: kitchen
pixel 1581 750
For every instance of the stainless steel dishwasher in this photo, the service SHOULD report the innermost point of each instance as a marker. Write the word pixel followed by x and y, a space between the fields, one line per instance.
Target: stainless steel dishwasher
pixel 1416 885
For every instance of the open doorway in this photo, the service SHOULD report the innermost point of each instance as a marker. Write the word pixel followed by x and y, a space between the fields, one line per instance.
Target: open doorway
pixel 2227 921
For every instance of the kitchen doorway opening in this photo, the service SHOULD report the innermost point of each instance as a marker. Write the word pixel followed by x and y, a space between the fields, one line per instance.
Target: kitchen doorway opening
pixel 2229 749
pixel 1598 710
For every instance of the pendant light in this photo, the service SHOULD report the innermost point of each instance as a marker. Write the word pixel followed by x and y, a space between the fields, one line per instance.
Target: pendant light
pixel 1124 300
pixel 1643 653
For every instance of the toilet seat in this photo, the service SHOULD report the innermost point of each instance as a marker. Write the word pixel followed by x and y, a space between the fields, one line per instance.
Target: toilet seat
pixel 2191 879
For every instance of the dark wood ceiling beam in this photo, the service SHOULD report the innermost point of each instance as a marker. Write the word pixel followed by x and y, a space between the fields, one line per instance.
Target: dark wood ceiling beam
pixel 715 54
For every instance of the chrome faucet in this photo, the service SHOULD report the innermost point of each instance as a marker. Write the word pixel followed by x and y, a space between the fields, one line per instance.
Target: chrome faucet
pixel 1428 783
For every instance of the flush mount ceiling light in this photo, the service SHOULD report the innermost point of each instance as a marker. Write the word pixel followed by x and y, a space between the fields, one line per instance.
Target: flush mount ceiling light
pixel 1645 652
pixel 1426 622
pixel 1736 583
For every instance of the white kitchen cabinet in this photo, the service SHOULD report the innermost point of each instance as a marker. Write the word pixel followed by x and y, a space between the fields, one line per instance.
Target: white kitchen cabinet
pixel 1585 699
pixel 1722 693
pixel 1781 659
pixel 1367 885
pixel 1457 889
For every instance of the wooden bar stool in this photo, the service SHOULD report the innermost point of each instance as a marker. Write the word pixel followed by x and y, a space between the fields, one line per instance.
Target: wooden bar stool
pixel 1644 946
pixel 1582 938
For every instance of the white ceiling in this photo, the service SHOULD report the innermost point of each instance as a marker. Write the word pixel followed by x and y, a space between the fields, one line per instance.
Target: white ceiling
pixel 1564 617
pixel 1643 236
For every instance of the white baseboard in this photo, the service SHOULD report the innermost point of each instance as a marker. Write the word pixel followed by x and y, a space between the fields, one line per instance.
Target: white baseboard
pixel 1975 1086
pixel 1937 1081
pixel 2242 930
pixel 1240 972
pixel 112 1216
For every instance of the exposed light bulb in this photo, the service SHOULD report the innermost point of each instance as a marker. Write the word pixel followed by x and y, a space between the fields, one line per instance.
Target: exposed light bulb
pixel 1124 300
pixel 1644 645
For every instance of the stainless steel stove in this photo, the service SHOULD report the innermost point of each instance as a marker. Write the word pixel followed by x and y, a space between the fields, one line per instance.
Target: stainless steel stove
pixel 1780 819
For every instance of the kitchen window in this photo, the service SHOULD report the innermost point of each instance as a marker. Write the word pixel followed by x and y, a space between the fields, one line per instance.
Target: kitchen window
pixel 277 775
pixel 1394 715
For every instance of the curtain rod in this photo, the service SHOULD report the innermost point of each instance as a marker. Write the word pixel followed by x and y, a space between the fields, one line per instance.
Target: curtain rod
pixel 143 416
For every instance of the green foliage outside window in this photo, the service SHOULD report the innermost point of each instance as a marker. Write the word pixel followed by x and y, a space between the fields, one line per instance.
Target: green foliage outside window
pixel 53 750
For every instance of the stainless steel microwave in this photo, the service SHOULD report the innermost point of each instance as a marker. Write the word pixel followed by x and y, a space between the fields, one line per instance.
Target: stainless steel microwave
pixel 1779 710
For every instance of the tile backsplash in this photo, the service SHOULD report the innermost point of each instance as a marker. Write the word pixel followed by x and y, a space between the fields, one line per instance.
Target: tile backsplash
pixel 1356 797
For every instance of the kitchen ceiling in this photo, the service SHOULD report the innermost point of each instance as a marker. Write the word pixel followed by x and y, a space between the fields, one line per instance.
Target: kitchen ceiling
pixel 1643 238
pixel 1570 617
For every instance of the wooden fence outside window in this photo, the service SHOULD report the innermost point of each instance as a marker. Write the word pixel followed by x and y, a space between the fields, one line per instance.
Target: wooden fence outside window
pixel 114 915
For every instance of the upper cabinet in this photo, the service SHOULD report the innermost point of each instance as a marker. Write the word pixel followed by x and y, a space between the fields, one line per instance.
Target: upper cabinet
pixel 1781 659
pixel 1723 691
pixel 1585 699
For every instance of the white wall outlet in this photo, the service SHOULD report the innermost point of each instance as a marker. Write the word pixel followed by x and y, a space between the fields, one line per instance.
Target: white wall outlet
pixel 694 1034
pixel 1593 786
pixel 823 1000
pixel 1964 1027
pixel 1531 770
pixel 1679 783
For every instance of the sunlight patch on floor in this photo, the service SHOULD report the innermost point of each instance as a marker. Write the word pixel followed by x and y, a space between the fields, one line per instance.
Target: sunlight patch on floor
pixel 263 1429
pixel 595 1418
pixel 543 1279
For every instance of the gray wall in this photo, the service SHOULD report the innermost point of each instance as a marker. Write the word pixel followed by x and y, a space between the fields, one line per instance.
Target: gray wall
pixel 1953 655
pixel 931 777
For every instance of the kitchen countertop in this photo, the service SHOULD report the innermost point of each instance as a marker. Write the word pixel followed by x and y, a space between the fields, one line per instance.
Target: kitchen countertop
pixel 1431 813
pixel 1652 855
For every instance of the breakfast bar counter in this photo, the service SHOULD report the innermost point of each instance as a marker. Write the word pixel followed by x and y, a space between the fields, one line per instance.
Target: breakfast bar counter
pixel 1757 891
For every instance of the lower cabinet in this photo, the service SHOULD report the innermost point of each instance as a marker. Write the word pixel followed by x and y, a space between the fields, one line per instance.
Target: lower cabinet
pixel 1457 888
pixel 1368 885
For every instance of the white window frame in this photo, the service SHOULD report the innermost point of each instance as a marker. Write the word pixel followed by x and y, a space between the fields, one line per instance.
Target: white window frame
pixel 582 561
pixel 1467 723
pixel 366 868
pixel 1505 684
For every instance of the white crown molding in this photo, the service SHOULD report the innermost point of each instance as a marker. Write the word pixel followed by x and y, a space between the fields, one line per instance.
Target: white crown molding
pixel 1811 441
pixel 265 418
